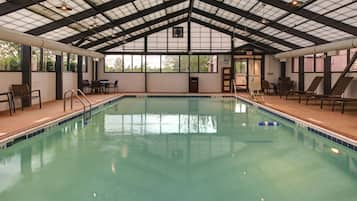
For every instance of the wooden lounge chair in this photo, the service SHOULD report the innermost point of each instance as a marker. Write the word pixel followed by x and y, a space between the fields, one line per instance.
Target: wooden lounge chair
pixel 336 93
pixel 22 91
pixel 343 102
pixel 310 90
pixel 7 98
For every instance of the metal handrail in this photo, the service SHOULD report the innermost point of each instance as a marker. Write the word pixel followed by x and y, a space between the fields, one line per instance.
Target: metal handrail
pixel 81 100
pixel 234 87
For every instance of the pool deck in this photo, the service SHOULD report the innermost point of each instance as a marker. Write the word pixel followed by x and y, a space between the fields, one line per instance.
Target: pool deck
pixel 343 124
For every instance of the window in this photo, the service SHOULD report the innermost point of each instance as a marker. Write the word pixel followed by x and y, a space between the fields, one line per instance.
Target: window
pixel 320 63
pixel 194 63
pixel 153 63
pixel 49 61
pixel 128 65
pixel 10 58
pixel 170 63
pixel 65 61
pixel 184 63
pixel 113 63
pixel 339 61
pixel 241 66
pixel 137 63
pixel 207 64
pixel 295 65
pixel 73 63
pixel 35 58
pixel 309 63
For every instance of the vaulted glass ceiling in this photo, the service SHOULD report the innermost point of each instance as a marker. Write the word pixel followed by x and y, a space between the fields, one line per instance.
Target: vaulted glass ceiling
pixel 109 25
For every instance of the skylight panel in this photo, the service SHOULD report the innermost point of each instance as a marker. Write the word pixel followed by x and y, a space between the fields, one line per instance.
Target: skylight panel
pixel 244 5
pixel 330 34
pixel 238 42
pixel 351 21
pixel 323 6
pixel 228 15
pixel 154 15
pixel 177 7
pixel 178 18
pixel 270 31
pixel 132 23
pixel 23 20
pixel 76 5
pixel 344 12
pixel 60 33
pixel 121 11
pixel 299 41
pixel 308 26
pixel 144 4
pixel 45 12
pixel 268 12
pixel 99 2
pixel 280 47
pixel 292 20
pixel 206 7
pixel 250 23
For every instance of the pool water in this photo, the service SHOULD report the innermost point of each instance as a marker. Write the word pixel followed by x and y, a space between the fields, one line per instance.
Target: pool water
pixel 178 149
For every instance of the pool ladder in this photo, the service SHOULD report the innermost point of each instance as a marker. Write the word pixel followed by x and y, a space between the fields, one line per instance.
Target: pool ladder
pixel 234 88
pixel 83 101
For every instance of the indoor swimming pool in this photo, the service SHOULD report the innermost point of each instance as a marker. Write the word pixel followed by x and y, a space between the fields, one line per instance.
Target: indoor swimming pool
pixel 178 149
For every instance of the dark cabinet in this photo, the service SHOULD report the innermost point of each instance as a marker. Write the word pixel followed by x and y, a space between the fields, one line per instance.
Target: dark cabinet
pixel 193 85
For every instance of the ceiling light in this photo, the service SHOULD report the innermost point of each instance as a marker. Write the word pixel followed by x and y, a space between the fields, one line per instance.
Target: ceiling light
pixel 64 7
pixel 265 21
pixel 296 3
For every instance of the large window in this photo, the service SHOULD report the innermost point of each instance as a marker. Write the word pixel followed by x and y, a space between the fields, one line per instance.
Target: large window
pixel 137 63
pixel 184 63
pixel 339 61
pixel 114 63
pixel 85 64
pixel 153 63
pixel 207 63
pixel 128 63
pixel 354 66
pixel 10 58
pixel 161 63
pixel 309 63
pixel 73 63
pixel 49 61
pixel 170 63
pixel 35 58
pixel 65 61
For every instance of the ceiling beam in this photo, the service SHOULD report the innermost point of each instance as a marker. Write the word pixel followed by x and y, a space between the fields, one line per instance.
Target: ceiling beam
pixel 247 29
pixel 266 47
pixel 137 28
pixel 312 16
pixel 121 21
pixel 14 5
pixel 259 19
pixel 171 24
pixel 77 17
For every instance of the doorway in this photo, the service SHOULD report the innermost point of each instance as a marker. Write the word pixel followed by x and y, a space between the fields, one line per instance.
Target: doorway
pixel 247 73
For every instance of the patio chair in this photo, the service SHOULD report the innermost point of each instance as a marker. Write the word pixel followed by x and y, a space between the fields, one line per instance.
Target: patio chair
pixel 284 86
pixel 97 86
pixel 86 85
pixel 7 98
pixel 310 90
pixel 113 86
pixel 338 90
pixel 23 92
pixel 267 87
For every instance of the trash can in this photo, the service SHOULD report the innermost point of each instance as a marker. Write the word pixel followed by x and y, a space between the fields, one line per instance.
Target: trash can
pixel 193 85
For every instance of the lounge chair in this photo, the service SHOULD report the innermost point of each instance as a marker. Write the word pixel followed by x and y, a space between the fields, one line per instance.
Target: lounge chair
pixel 23 92
pixel 284 86
pixel 7 98
pixel 310 90
pixel 343 102
pixel 336 93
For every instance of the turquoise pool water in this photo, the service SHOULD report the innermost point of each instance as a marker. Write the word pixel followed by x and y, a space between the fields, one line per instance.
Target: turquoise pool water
pixel 178 149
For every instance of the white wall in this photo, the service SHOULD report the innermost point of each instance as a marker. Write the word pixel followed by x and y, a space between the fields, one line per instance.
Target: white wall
pixel 88 75
pixel 272 69
pixel 6 80
pixel 46 82
pixel 167 82
pixel 69 81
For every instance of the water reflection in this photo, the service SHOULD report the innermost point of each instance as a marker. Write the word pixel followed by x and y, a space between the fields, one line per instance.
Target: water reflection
pixel 141 124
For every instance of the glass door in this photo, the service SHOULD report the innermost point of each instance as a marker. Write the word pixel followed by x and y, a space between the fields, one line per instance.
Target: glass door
pixel 241 67
pixel 254 74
